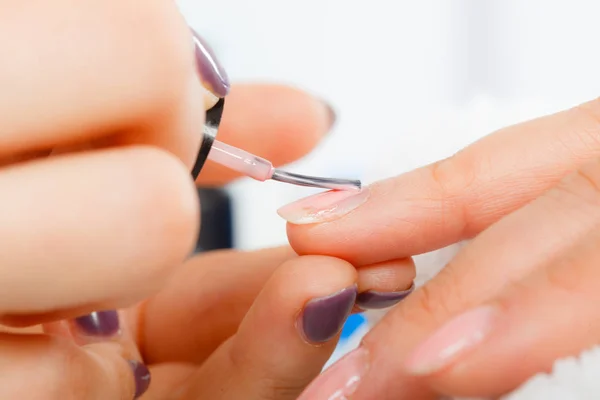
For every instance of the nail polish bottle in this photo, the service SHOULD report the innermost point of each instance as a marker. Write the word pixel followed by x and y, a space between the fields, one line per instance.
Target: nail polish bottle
pixel 216 217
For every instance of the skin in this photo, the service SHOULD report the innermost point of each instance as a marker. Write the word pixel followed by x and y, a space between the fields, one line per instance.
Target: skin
pixel 100 122
pixel 527 199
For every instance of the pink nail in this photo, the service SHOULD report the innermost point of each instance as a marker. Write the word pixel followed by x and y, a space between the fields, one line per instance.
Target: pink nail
pixel 323 207
pixel 454 339
pixel 341 380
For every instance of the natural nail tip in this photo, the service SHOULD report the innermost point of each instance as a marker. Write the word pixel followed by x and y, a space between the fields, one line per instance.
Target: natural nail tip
pixel 375 300
pixel 323 207
pixel 99 323
pixel 323 318
pixel 141 376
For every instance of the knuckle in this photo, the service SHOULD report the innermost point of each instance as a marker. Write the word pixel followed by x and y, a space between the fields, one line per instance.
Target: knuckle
pixel 565 276
pixel 583 184
pixel 591 109
pixel 453 179
pixel 453 175
pixel 274 389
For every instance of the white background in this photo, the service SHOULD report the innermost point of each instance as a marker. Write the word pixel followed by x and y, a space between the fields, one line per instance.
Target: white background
pixel 436 74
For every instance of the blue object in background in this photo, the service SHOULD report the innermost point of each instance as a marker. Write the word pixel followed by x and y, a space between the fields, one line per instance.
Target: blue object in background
pixel 354 322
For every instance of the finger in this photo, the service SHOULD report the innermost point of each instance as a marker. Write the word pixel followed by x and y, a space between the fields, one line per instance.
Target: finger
pixel 286 337
pixel 218 287
pixel 53 367
pixel 279 123
pixel 448 201
pixel 548 316
pixel 221 286
pixel 385 284
pixel 506 252
pixel 144 210
pixel 113 69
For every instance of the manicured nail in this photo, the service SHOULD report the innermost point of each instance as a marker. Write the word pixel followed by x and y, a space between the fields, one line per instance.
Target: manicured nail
pixel 374 300
pixel 323 318
pixel 141 376
pixel 100 323
pixel 331 113
pixel 323 207
pixel 212 74
pixel 341 380
pixel 454 339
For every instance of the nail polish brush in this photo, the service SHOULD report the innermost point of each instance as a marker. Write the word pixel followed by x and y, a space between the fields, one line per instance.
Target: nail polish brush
pixel 216 84
pixel 251 165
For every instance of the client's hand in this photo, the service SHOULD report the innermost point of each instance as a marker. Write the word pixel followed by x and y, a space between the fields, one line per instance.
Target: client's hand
pixel 101 113
pixel 523 293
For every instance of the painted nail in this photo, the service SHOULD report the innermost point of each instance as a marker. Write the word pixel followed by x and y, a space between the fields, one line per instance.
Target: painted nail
pixel 141 376
pixel 341 380
pixel 323 318
pixel 99 323
pixel 212 74
pixel 323 207
pixel 374 300
pixel 454 339
pixel 331 113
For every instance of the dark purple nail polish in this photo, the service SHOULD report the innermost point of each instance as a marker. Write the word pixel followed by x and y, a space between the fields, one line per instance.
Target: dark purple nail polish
pixel 374 300
pixel 324 317
pixel 212 74
pixel 331 113
pixel 100 323
pixel 141 376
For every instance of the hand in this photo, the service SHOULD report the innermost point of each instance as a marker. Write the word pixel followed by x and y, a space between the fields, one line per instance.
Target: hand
pixel 101 111
pixel 517 297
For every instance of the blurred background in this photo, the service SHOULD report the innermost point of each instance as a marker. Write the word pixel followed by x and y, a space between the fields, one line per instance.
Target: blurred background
pixel 417 79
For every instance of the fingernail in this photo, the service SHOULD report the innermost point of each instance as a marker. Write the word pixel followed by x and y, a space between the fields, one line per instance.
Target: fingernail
pixel 454 339
pixel 331 114
pixel 212 74
pixel 99 323
pixel 323 318
pixel 374 300
pixel 341 380
pixel 141 376
pixel 323 207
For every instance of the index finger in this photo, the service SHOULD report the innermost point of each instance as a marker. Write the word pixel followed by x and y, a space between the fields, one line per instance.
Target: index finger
pixel 448 201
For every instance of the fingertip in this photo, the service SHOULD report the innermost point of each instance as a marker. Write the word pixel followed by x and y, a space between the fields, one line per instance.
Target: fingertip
pixel 280 122
pixel 317 292
pixel 387 276
pixel 169 209
pixel 313 290
pixel 315 275
pixel 291 330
